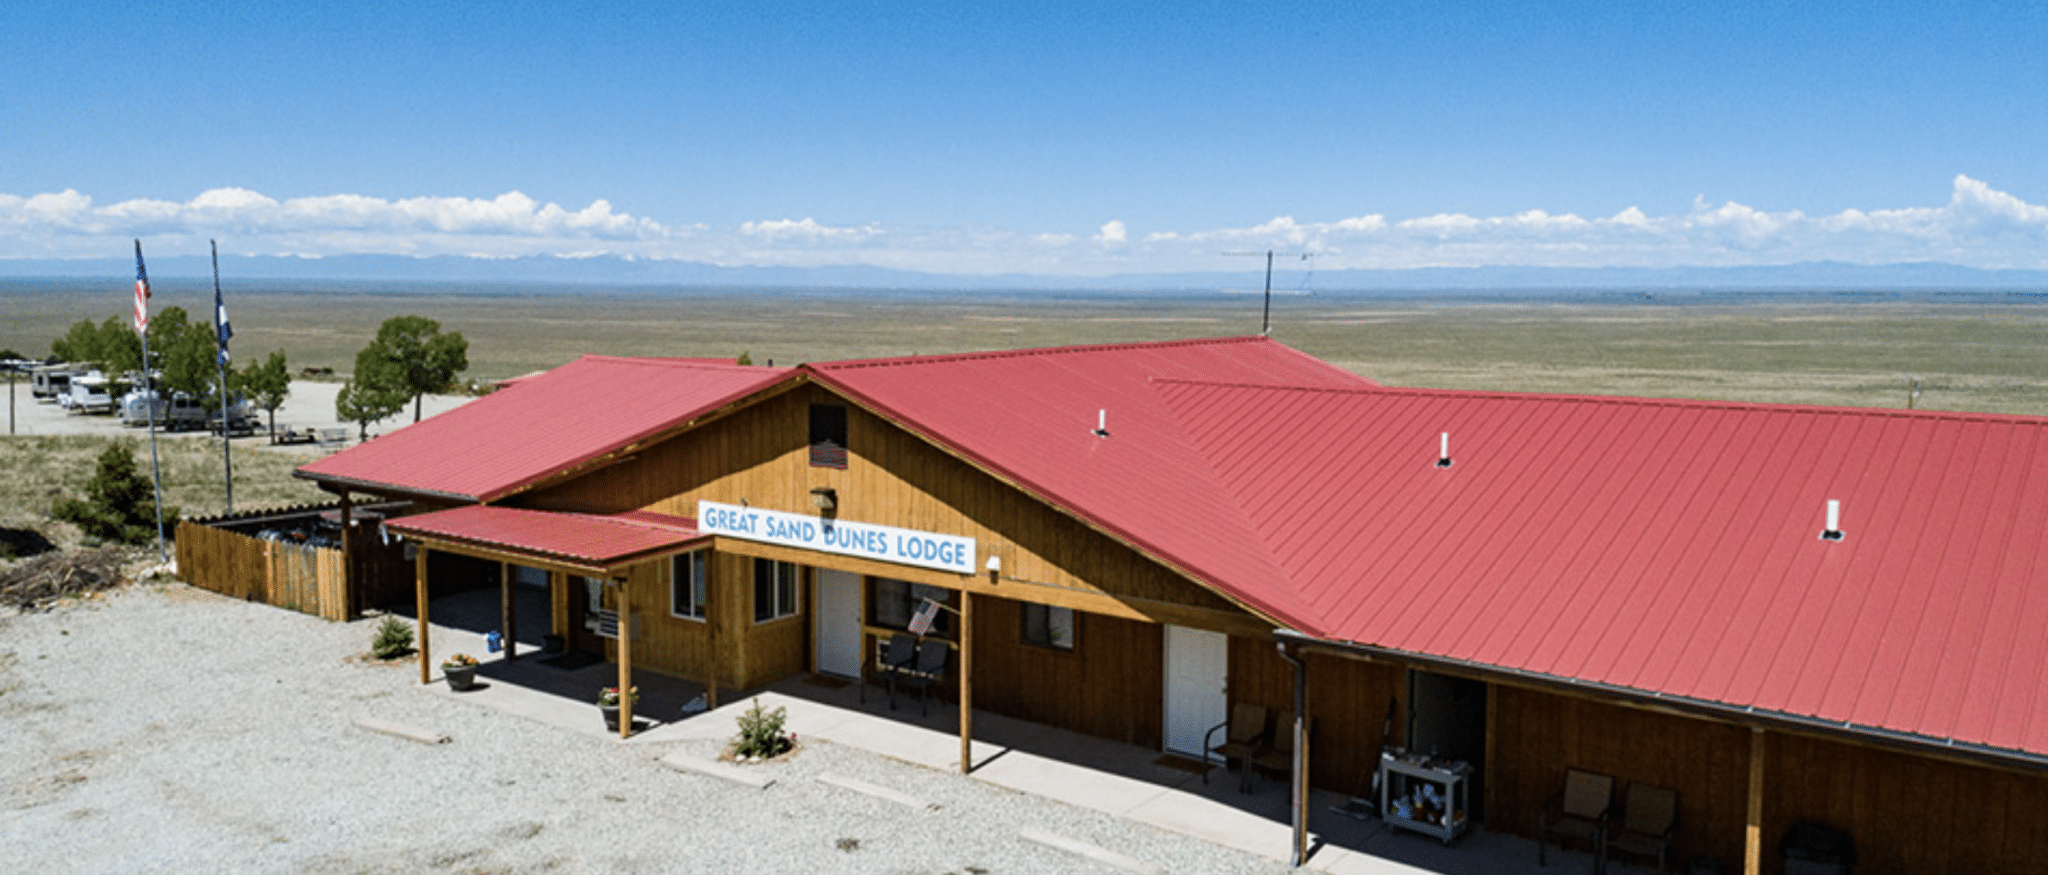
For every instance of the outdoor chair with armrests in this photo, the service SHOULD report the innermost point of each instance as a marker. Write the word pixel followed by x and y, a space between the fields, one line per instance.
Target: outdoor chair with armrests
pixel 1649 816
pixel 930 666
pixel 1577 811
pixel 1276 755
pixel 1242 734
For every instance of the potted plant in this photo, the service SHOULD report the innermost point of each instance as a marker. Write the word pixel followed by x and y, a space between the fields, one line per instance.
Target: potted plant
pixel 608 703
pixel 460 670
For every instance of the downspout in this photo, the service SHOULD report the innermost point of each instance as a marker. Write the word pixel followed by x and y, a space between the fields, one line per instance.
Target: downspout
pixel 1299 785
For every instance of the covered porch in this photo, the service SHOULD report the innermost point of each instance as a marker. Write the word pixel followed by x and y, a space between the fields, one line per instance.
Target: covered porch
pixel 1120 780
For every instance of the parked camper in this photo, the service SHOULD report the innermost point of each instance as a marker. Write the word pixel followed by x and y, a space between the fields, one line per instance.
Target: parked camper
pixel 52 382
pixel 182 413
pixel 89 394
pixel 241 419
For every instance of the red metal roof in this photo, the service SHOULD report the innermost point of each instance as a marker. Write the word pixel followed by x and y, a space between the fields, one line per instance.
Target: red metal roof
pixel 1030 416
pixel 572 538
pixel 543 426
pixel 1671 548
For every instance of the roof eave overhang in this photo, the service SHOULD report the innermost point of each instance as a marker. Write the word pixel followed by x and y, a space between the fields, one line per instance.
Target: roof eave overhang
pixel 333 483
pixel 590 566
pixel 1742 715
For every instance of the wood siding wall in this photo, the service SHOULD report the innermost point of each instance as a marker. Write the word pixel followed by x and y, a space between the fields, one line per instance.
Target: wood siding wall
pixel 1110 685
pixel 302 578
pixel 747 654
pixel 1906 813
pixel 758 455
pixel 1347 706
pixel 1538 735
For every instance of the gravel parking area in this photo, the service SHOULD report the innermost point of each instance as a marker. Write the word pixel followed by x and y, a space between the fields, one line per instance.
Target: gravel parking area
pixel 164 729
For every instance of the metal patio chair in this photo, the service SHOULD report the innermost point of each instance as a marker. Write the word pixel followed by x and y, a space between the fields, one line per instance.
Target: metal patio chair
pixel 930 666
pixel 1577 811
pixel 1649 817
pixel 1242 734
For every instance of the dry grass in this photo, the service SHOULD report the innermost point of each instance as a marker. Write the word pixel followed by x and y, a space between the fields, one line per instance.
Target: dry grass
pixel 42 470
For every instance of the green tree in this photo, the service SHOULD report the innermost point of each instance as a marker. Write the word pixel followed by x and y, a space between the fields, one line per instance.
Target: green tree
pixel 187 359
pixel 362 405
pixel 410 358
pixel 267 384
pixel 119 504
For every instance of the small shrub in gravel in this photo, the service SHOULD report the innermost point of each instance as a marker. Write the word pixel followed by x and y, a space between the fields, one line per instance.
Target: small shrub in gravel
pixel 761 735
pixel 392 639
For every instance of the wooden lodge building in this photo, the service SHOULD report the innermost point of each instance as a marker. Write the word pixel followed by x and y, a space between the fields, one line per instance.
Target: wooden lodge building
pixel 1783 613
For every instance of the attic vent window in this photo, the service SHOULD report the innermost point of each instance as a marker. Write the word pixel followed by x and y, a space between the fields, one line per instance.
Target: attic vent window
pixel 828 436
pixel 1834 530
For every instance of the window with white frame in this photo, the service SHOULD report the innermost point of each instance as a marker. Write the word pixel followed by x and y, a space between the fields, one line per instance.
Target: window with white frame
pixel 774 590
pixel 689 584
pixel 1047 626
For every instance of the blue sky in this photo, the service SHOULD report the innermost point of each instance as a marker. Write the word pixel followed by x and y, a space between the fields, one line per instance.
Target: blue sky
pixel 1041 138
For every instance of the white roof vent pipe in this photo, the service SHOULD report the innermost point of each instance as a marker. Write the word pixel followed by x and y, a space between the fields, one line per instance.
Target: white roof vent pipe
pixel 1443 450
pixel 1102 423
pixel 1834 530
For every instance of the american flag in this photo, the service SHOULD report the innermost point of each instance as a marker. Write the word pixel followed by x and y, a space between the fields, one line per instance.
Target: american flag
pixel 141 291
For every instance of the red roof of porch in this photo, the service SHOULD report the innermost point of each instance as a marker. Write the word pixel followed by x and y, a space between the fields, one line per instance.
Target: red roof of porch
pixel 572 538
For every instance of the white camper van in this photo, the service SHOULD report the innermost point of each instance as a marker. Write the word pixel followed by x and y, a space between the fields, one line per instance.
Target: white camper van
pixel 89 394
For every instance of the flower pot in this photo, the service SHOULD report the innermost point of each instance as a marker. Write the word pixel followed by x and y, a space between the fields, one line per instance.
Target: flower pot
pixel 611 716
pixel 460 677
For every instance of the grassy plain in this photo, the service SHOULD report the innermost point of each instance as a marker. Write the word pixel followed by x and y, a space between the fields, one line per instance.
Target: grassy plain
pixel 1973 352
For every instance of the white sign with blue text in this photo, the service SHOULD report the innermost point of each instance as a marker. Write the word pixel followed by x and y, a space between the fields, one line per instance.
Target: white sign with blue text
pixel 868 541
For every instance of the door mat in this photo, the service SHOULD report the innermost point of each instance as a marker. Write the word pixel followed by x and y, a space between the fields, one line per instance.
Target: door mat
pixel 1189 765
pixel 572 661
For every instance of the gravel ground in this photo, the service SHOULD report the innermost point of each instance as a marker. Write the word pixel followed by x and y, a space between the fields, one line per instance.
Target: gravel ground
pixel 164 729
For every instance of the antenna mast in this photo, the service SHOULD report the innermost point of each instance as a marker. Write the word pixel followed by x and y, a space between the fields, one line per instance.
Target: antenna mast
pixel 1266 317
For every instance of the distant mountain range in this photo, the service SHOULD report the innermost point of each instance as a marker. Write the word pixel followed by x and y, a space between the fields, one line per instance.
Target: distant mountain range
pixel 611 271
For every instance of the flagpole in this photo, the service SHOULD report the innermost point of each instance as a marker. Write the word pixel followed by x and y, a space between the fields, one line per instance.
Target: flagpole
pixel 220 362
pixel 149 382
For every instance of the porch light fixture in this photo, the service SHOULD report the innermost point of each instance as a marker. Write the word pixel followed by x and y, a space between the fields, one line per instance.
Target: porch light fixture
pixel 825 498
pixel 995 564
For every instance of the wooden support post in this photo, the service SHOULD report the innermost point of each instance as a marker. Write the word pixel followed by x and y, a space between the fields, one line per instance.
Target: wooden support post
pixel 966 682
pixel 419 588
pixel 509 624
pixel 1753 837
pixel 625 661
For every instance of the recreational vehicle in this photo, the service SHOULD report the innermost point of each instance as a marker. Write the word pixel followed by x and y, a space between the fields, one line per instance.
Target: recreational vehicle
pixel 89 394
pixel 52 382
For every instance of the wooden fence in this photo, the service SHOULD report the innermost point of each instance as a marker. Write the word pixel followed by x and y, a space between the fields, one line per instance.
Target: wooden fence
pixel 308 579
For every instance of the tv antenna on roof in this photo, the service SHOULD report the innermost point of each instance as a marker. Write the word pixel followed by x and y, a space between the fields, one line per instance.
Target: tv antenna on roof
pixel 1266 317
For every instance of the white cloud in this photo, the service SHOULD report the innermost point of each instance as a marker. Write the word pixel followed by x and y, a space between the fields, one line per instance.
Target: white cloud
pixel 1977 226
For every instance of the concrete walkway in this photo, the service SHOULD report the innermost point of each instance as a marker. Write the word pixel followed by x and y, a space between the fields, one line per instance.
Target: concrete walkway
pixel 1118 779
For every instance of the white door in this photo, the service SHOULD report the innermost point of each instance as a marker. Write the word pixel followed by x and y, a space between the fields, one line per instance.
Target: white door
pixel 838 623
pixel 1197 668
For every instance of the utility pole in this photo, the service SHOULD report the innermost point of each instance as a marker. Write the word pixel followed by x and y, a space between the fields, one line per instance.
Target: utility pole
pixel 1266 317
